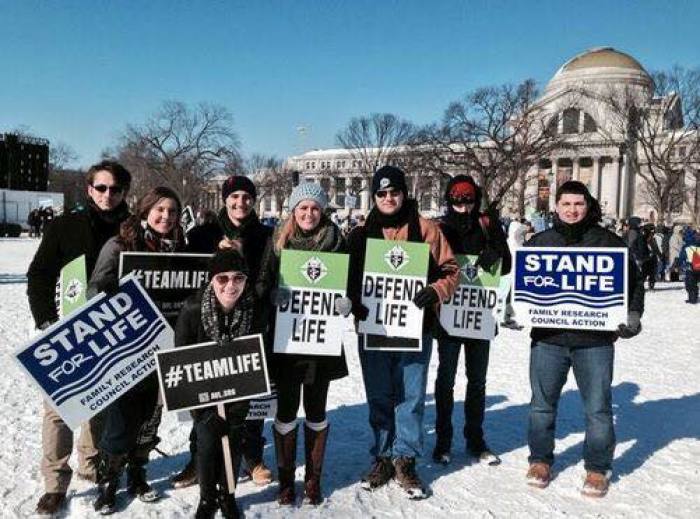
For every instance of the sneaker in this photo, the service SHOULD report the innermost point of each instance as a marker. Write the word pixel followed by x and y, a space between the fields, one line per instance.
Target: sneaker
pixel 442 457
pixel 88 476
pixel 539 475
pixel 487 457
pixel 50 503
pixel 512 324
pixel 406 476
pixel 379 475
pixel 261 475
pixel 596 484
pixel 187 477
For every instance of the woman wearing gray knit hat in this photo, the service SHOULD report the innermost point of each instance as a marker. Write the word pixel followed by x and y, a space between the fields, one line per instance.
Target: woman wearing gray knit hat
pixel 306 228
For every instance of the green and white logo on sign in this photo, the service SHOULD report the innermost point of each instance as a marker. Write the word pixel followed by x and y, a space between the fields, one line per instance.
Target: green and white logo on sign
pixel 397 258
pixel 314 270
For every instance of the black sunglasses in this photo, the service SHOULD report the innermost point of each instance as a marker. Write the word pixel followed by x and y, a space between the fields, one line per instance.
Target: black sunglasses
pixel 384 192
pixel 115 190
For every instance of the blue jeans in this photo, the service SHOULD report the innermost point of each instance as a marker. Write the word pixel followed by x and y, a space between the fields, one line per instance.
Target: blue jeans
pixel 476 362
pixel 395 386
pixel 593 369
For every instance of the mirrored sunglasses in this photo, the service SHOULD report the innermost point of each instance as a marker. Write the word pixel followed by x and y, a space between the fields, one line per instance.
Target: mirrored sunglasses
pixel 224 279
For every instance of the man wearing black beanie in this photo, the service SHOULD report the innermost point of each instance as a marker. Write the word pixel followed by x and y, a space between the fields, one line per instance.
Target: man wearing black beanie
pixel 590 353
pixel 468 231
pixel 238 227
pixel 395 381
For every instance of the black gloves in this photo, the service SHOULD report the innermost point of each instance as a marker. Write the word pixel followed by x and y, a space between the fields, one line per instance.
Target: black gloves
pixel 488 257
pixel 343 306
pixel 360 311
pixel 280 296
pixel 426 297
pixel 632 328
pixel 217 425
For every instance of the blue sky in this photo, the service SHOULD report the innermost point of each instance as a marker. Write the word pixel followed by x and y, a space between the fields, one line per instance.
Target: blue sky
pixel 78 72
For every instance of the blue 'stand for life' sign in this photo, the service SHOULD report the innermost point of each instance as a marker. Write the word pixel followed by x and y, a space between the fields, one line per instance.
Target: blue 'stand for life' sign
pixel 85 362
pixel 566 287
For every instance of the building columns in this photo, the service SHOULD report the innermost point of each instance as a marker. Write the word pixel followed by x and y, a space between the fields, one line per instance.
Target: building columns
pixel 553 185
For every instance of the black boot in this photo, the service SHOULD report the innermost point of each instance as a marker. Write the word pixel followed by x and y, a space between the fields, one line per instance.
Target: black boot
pixel 315 449
pixel 228 506
pixel 187 477
pixel 108 474
pixel 206 508
pixel 286 450
pixel 136 484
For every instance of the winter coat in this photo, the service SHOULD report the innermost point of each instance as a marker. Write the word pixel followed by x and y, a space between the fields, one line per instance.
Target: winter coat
pixel 189 329
pixel 443 271
pixel 254 237
pixel 592 236
pixel 283 366
pixel 68 237
pixel 675 245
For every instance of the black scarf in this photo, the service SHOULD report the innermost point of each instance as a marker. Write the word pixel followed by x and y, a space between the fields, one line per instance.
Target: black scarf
pixel 573 232
pixel 237 232
pixel 461 222
pixel 223 327
pixel 407 214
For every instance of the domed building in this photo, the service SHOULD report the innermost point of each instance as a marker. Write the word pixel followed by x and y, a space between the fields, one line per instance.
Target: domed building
pixel 596 148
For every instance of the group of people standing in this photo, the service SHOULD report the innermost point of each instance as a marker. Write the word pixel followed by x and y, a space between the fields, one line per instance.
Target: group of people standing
pixel 241 297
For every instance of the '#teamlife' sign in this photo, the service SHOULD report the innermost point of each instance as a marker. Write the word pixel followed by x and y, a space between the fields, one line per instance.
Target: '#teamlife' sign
pixel 209 373
pixel 86 361
pixel 169 278
pixel 308 323
pixel 471 312
pixel 578 288
pixel 395 271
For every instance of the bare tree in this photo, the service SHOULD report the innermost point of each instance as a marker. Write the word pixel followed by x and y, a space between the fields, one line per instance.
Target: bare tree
pixel 271 177
pixel 375 140
pixel 69 181
pixel 495 134
pixel 180 147
pixel 660 133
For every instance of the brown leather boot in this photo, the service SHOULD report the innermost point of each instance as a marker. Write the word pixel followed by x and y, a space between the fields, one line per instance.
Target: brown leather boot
pixel 315 448
pixel 286 450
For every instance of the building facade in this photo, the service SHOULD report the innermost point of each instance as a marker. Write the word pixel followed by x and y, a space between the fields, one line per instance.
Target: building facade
pixel 596 150
pixel 24 163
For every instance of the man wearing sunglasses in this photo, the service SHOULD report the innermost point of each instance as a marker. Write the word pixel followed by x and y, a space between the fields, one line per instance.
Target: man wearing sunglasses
pixel 395 382
pixel 69 236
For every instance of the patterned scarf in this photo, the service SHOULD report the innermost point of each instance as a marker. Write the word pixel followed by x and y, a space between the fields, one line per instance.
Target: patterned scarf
pixel 326 238
pixel 221 326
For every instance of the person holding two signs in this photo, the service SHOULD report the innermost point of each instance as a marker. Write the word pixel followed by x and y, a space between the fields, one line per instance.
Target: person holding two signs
pixel 130 424
pixel 468 231
pixel 395 381
pixel 308 229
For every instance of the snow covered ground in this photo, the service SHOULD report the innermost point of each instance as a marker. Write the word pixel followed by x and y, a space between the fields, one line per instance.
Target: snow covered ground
pixel 657 406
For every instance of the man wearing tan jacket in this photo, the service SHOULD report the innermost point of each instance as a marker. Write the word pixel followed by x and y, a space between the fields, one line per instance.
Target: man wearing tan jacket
pixel 395 381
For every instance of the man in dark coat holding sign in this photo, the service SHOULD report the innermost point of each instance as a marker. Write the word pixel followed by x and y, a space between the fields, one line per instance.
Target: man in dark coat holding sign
pixel 590 353
pixel 468 231
pixel 68 237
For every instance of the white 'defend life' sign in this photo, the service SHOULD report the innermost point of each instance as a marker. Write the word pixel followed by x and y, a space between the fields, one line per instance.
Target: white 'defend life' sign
pixel 472 310
pixel 308 323
pixel 395 271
